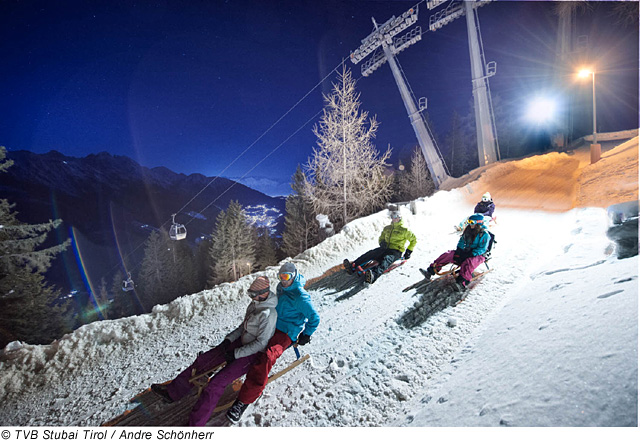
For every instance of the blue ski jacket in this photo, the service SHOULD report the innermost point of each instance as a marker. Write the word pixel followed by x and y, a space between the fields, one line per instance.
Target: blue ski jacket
pixel 295 311
pixel 477 246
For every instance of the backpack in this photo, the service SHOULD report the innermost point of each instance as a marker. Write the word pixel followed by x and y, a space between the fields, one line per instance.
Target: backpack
pixel 492 240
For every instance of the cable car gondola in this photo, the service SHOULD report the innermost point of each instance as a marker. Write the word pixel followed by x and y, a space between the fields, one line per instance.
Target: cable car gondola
pixel 127 285
pixel 177 231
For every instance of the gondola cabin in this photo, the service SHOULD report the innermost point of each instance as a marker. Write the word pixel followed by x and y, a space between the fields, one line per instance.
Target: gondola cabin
pixel 177 231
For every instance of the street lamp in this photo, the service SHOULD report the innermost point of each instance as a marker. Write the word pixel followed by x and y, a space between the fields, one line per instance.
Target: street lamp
pixel 595 147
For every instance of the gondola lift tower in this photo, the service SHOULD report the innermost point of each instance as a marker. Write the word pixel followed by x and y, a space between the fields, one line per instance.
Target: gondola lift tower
pixel 384 36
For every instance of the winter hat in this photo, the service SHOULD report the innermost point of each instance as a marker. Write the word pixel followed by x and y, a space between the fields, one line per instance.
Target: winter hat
pixel 477 219
pixel 259 289
pixel 260 285
pixel 288 268
pixel 486 197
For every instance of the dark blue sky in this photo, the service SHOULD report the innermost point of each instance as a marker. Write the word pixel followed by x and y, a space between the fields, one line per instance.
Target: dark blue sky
pixel 191 84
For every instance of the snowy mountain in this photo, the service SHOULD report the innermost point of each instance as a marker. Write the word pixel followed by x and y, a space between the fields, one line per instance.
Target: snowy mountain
pixel 548 338
pixel 112 203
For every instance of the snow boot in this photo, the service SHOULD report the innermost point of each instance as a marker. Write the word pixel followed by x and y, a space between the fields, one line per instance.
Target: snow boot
pixel 235 411
pixel 460 284
pixel 428 273
pixel 368 276
pixel 346 264
pixel 162 392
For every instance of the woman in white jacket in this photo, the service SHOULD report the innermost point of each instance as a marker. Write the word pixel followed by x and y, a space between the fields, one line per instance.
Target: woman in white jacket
pixel 239 349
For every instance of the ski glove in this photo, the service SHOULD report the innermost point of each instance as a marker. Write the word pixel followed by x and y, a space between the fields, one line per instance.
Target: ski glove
pixel 230 356
pixel 304 339
pixel 460 255
pixel 383 244
pixel 225 344
pixel 407 254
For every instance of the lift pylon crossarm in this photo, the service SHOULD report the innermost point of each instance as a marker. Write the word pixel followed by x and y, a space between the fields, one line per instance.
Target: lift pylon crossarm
pixel 384 33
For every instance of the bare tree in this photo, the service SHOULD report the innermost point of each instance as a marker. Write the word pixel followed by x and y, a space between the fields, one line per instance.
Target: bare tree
pixel 417 181
pixel 300 226
pixel 346 174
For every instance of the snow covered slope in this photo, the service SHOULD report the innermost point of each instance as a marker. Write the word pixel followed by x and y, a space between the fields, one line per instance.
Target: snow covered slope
pixel 548 338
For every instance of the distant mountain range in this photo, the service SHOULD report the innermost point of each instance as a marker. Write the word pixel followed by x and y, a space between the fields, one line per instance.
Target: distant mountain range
pixel 109 204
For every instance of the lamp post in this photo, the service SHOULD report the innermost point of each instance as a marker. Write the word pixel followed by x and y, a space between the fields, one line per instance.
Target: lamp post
pixel 595 147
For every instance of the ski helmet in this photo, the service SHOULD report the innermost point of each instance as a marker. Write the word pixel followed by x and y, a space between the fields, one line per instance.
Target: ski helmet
pixel 486 197
pixel 287 272
pixel 476 219
pixel 395 216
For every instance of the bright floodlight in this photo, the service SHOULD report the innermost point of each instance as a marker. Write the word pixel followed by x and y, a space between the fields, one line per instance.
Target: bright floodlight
pixel 584 73
pixel 542 110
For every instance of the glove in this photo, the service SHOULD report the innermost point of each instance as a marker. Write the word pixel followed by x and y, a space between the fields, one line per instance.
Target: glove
pixel 460 255
pixel 230 356
pixel 225 344
pixel 383 244
pixel 407 254
pixel 304 339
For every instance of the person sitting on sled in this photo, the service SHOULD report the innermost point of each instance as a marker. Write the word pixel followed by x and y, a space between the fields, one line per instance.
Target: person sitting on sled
pixel 239 349
pixel 473 243
pixel 392 243
pixel 485 207
pixel 297 320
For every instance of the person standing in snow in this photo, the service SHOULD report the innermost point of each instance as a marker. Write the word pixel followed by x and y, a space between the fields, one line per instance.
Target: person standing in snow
pixel 485 207
pixel 239 349
pixel 392 241
pixel 473 243
pixel 297 321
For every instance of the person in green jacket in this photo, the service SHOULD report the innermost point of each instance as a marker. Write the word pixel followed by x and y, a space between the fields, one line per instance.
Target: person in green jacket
pixel 392 243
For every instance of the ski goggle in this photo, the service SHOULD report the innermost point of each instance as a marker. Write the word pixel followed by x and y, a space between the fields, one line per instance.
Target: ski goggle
pixel 285 276
pixel 473 222
pixel 254 294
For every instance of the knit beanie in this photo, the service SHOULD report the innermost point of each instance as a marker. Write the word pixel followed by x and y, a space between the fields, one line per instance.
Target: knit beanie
pixel 259 284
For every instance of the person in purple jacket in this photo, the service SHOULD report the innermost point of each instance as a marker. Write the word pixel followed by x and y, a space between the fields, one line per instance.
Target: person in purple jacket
pixel 239 349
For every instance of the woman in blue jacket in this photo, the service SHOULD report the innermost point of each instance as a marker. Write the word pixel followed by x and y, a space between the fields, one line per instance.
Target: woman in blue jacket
pixel 469 253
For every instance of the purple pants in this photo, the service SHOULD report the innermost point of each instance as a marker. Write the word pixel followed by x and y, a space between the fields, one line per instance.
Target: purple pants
pixel 466 268
pixel 208 400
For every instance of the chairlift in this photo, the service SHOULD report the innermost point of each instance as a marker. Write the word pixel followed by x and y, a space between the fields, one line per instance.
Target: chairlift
pixel 177 231
pixel 127 285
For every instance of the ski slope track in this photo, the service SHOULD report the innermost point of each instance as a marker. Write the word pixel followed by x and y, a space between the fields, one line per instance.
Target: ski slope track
pixel 366 368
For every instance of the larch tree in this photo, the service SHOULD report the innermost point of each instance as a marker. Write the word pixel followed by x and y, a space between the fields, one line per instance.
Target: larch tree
pixel 300 226
pixel 417 182
pixel 346 173
pixel 29 310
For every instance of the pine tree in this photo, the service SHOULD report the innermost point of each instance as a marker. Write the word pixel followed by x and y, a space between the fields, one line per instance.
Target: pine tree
pixel 300 226
pixel 346 174
pixel 203 263
pixel 28 308
pixel 265 250
pixel 233 247
pixel 102 298
pixel 154 279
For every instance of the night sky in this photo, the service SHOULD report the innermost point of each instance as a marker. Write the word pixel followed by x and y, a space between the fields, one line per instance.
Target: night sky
pixel 191 84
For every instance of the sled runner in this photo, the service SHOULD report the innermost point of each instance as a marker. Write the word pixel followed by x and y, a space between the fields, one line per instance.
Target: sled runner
pixel 452 270
pixel 360 270
pixel 151 410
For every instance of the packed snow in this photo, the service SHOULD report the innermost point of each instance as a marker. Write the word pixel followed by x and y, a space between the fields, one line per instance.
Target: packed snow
pixel 548 338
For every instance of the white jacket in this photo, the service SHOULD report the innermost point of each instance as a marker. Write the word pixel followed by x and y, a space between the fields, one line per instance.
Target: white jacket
pixel 257 328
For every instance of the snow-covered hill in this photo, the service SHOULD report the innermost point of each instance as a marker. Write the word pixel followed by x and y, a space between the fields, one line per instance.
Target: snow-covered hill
pixel 548 338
